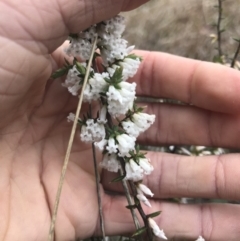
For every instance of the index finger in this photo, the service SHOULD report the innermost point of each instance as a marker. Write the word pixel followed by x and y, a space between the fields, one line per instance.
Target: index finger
pixel 207 85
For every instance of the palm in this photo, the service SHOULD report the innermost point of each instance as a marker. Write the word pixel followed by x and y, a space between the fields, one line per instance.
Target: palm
pixel 34 133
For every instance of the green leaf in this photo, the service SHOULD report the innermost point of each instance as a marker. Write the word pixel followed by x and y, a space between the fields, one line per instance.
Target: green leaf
pixel 59 73
pixel 118 179
pixel 117 76
pixel 217 59
pixel 153 215
pixel 131 206
pixel 80 68
pixel 236 39
pixel 139 231
pixel 73 35
pixel 134 56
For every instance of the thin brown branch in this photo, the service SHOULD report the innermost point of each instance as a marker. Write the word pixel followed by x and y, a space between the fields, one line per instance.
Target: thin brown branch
pixel 235 55
pixel 69 148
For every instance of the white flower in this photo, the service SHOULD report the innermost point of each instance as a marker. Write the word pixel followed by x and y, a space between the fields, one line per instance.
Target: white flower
pixel 113 49
pixel 80 48
pixel 98 83
pixel 140 123
pixel 130 128
pixel 121 100
pixel 88 95
pixel 132 173
pixel 113 26
pixel 102 115
pixel 72 81
pixel 92 131
pixel 156 230
pixel 200 238
pixel 143 120
pixel 130 67
pixel 146 166
pixel 126 143
pixel 71 117
pixel 112 146
pixel 110 163
pixel 143 199
pixel 141 188
pixel 86 135
pixel 101 144
pixel 89 33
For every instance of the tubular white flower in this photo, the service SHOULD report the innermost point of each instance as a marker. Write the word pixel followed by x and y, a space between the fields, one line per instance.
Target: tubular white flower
pixel 86 135
pixel 113 49
pixel 156 230
pixel 102 115
pixel 130 67
pixel 126 143
pixel 130 128
pixel 146 166
pixel 72 81
pixel 141 188
pixel 101 144
pixel 143 120
pixel 200 238
pixel 92 131
pixel 115 26
pixel 143 199
pixel 110 163
pixel 98 84
pixel 121 100
pixel 71 117
pixel 112 146
pixel 133 172
pixel 80 48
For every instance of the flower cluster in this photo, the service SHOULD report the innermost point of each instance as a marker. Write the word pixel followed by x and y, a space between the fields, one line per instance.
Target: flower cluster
pixel 120 121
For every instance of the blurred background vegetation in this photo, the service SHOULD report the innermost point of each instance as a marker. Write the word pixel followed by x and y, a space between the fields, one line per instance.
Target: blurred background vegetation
pixel 185 28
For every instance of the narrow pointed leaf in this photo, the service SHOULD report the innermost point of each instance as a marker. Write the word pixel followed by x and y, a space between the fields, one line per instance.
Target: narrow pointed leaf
pixel 139 231
pixel 153 215
pixel 59 73
pixel 118 179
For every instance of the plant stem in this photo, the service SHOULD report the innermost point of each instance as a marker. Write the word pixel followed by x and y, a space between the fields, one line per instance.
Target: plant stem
pixel 219 30
pixel 69 147
pixel 129 199
pixel 141 212
pixel 235 55
pixel 97 178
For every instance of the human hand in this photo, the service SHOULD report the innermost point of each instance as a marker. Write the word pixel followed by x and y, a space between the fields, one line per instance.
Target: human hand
pixel 34 134
pixel 212 119
pixel 33 128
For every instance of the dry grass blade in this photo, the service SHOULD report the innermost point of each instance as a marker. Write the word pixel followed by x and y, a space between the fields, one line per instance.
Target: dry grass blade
pixel 66 160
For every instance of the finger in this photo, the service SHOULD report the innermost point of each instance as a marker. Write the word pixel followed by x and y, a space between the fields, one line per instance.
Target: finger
pixel 48 23
pixel 215 222
pixel 186 125
pixel 206 85
pixel 196 177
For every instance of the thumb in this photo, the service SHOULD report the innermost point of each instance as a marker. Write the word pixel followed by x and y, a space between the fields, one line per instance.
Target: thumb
pixel 43 25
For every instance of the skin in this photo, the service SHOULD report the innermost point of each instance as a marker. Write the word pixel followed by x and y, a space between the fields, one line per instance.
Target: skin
pixel 34 133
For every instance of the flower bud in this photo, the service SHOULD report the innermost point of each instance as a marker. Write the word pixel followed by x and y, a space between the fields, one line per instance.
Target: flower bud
pixel 156 230
pixel 143 199
pixel 143 188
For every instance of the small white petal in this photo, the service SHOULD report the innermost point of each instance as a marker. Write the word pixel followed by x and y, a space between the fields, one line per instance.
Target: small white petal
pixel 143 199
pixel 156 230
pixel 145 189
pixel 200 238
pixel 71 117
pixel 101 144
